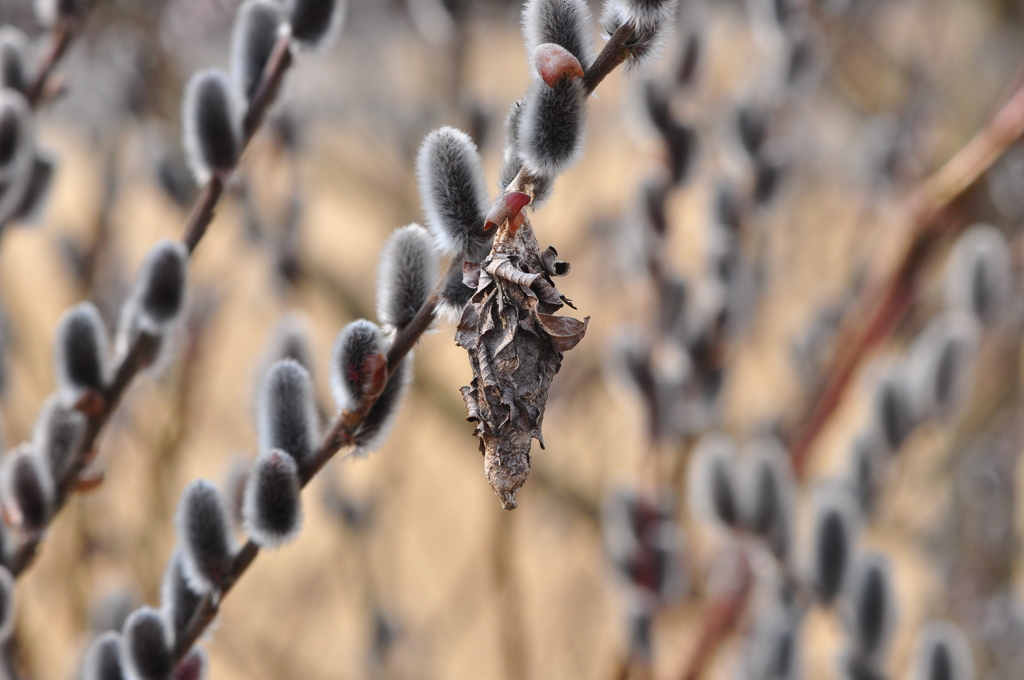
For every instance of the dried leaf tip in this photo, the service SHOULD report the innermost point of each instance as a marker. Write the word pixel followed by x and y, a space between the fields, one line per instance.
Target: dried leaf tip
pixel 453 192
pixel 257 26
pixel 286 417
pixel 205 536
pixel 567 23
pixel 211 125
pixel 315 23
pixel 102 660
pixel 405 275
pixel 147 645
pixel 80 353
pixel 272 507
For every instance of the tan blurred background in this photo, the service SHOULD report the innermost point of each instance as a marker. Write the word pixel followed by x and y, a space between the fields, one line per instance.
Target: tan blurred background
pixel 407 567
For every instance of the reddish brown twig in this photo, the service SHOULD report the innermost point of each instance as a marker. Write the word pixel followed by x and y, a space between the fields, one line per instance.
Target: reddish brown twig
pixel 884 304
pixel 144 347
pixel 719 620
pixel 62 36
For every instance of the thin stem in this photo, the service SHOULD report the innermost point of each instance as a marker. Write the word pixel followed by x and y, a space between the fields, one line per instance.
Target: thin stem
pixel 614 53
pixel 881 307
pixel 144 347
pixel 719 620
pixel 63 34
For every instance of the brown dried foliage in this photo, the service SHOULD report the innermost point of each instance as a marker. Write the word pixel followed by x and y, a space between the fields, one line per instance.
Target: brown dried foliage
pixel 515 344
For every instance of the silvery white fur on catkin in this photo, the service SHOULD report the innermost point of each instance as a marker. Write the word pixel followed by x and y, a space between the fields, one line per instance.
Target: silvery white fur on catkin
pixel 552 127
pixel 453 190
pixel 354 344
pixel 405 275
pixel 211 124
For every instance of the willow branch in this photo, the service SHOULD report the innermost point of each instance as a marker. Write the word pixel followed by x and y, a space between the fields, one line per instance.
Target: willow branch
pixel 882 306
pixel 615 52
pixel 144 347
pixel 340 433
pixel 63 35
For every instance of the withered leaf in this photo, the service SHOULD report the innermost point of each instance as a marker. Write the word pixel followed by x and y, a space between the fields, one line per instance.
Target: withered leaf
pixel 565 331
pixel 515 345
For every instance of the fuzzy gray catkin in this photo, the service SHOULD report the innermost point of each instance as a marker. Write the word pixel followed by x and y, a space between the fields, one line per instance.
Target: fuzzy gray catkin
pixel 257 24
pixel 29 486
pixel 44 165
pixel 13 49
pixel 374 429
pixel 568 23
pixel 80 351
pixel 552 125
pixel 649 20
pixel 204 535
pixel 16 139
pixel 286 416
pixel 871 606
pixel 6 603
pixel 940 364
pixel 767 489
pixel 712 484
pixel 893 409
pixel 832 548
pixel 406 274
pixel 512 160
pixel 353 361
pixel 58 433
pixel 978 277
pixel 314 23
pixel 178 600
pixel 272 507
pixel 102 660
pixel 147 645
pixel 453 191
pixel 211 125
pixel 942 652
pixel 159 293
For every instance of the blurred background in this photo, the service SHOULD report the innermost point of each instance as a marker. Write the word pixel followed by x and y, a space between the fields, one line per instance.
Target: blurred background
pixel 407 567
